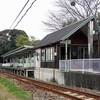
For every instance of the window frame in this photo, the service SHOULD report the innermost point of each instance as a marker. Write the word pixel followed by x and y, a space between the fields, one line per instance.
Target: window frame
pixel 48 54
pixel 43 51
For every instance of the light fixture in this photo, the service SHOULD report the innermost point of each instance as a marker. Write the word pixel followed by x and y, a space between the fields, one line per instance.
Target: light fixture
pixel 73 3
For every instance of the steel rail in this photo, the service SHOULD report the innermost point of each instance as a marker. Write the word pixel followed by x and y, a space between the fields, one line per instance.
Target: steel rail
pixel 48 87
pixel 37 86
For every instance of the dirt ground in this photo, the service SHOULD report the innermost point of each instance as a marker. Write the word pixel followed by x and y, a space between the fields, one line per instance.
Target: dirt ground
pixel 5 95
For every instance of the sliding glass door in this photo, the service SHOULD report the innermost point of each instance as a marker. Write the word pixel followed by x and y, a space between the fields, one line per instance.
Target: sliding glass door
pixel 82 52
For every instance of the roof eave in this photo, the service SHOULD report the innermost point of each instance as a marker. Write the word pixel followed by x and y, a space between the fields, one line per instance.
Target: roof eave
pixel 81 25
pixel 46 45
pixel 9 54
pixel 25 47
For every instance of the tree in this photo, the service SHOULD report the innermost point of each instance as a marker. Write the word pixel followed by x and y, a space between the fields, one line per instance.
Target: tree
pixel 33 40
pixel 69 13
pixel 12 39
pixel 22 40
pixel 8 43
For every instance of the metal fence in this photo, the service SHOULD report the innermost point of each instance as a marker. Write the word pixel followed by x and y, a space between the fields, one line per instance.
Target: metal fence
pixel 83 65
pixel 62 65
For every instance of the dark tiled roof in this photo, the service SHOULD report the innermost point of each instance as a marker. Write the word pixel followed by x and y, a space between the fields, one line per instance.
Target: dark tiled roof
pixel 58 35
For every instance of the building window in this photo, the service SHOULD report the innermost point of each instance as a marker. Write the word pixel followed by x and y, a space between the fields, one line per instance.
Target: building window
pixel 83 52
pixel 47 54
pixel 32 60
pixel 21 61
pixel 28 60
pixel 18 60
pixel 24 60
pixel 43 55
pixel 50 54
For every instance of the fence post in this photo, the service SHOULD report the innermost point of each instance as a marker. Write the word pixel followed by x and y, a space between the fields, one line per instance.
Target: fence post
pixel 83 66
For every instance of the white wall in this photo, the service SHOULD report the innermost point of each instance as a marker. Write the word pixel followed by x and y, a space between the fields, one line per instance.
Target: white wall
pixel 46 74
pixel 38 58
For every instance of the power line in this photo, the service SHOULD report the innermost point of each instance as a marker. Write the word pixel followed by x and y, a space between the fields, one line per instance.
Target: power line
pixel 24 14
pixel 21 17
pixel 19 13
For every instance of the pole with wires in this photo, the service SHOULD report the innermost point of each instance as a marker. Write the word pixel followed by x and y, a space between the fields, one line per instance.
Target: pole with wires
pixel 24 14
pixel 21 17
pixel 19 13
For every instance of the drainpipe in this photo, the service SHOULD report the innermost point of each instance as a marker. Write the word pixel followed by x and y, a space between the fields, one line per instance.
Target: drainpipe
pixel 55 55
pixel 54 64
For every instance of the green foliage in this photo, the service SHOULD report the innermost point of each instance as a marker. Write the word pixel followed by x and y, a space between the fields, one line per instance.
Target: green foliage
pixel 33 41
pixel 7 45
pixel 15 90
pixel 15 39
pixel 22 40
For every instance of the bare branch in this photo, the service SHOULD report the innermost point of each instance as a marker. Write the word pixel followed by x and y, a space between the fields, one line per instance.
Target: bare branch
pixel 68 14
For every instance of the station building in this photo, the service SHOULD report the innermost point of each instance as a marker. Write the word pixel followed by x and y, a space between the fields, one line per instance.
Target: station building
pixel 19 61
pixel 73 48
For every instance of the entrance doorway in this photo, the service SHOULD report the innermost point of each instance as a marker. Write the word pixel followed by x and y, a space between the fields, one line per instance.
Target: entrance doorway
pixel 82 52
pixel 63 53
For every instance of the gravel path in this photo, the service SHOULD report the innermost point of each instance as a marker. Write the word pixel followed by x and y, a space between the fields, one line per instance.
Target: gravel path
pixel 42 95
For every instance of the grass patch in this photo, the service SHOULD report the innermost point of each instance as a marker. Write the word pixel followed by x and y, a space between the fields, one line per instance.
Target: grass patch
pixel 15 90
pixel 62 84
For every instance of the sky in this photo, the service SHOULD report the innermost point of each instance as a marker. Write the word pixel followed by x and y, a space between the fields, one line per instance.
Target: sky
pixel 32 21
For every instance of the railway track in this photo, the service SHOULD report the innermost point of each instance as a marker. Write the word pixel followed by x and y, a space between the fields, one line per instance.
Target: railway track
pixel 33 85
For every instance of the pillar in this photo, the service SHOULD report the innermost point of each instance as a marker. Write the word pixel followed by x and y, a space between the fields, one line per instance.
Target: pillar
pixel 66 47
pixel 23 61
pixel 90 39
pixel 30 58
pixel 26 73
